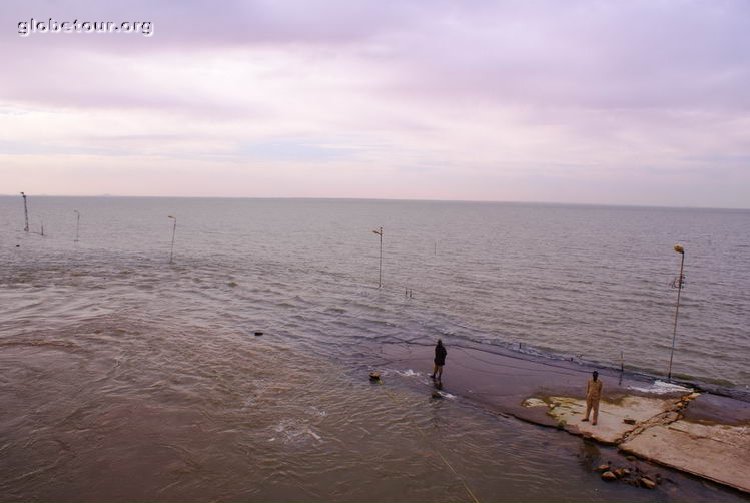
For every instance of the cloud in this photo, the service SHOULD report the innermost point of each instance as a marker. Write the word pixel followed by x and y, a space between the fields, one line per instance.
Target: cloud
pixel 389 98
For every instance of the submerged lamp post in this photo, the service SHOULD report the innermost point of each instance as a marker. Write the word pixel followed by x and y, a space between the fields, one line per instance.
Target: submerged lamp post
pixel 380 233
pixel 78 220
pixel 174 226
pixel 678 283
pixel 25 213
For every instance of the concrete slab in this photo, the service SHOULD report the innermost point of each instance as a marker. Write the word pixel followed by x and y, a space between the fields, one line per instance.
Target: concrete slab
pixel 718 452
pixel 612 426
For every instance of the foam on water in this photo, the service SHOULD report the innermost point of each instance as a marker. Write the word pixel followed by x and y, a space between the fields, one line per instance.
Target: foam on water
pixel 662 388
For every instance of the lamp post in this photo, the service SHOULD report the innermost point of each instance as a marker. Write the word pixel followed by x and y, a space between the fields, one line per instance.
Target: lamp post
pixel 380 233
pixel 679 282
pixel 78 220
pixel 174 227
pixel 25 213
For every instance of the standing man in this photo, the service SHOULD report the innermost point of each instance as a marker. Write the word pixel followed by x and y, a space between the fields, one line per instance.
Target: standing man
pixel 593 395
pixel 440 354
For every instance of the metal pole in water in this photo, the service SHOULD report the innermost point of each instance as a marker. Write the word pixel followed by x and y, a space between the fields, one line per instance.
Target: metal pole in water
pixel 78 220
pixel 174 226
pixel 380 233
pixel 680 281
pixel 25 213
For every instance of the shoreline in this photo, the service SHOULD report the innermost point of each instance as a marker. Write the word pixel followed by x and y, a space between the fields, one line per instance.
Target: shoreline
pixel 689 429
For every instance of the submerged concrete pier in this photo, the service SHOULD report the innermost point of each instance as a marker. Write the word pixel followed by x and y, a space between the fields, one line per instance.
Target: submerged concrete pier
pixel 703 434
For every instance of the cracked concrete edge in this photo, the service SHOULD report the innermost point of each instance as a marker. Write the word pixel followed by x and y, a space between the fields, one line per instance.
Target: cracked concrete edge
pixel 673 413
pixel 639 454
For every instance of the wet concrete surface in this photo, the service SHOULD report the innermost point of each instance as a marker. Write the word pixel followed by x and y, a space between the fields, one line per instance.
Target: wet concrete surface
pixel 699 433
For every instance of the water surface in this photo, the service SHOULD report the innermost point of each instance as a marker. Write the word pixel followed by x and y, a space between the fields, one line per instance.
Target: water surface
pixel 125 377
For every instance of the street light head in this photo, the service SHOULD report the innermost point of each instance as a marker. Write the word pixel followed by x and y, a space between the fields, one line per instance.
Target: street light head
pixel 679 249
pixel 170 216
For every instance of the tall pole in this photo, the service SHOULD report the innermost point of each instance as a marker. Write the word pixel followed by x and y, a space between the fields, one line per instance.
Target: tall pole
pixel 78 220
pixel 174 226
pixel 25 213
pixel 380 232
pixel 680 280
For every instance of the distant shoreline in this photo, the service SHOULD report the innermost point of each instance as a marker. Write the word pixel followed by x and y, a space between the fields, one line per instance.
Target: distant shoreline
pixel 561 204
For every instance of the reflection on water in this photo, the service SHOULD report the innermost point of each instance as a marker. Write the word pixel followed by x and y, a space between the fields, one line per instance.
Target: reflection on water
pixel 125 378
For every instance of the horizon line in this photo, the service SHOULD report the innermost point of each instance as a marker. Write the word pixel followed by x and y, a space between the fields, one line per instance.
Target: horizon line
pixel 342 198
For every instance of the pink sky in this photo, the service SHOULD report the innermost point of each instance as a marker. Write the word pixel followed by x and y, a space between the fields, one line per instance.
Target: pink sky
pixel 590 101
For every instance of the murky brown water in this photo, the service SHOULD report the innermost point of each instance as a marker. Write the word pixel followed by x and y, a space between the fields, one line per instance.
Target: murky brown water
pixel 124 378
pixel 97 414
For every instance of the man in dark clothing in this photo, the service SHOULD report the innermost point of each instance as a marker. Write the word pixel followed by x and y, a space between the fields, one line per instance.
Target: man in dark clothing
pixel 440 354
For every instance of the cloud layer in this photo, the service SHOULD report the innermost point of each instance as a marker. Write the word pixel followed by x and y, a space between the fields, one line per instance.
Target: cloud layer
pixel 640 102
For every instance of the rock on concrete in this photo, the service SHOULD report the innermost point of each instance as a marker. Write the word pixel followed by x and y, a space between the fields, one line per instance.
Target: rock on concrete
pixel 609 476
pixel 718 452
pixel 647 483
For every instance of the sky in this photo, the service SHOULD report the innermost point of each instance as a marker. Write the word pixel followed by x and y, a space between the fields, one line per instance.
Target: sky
pixel 643 102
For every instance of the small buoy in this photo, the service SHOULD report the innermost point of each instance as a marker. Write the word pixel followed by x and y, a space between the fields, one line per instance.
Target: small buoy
pixel 374 376
pixel 258 334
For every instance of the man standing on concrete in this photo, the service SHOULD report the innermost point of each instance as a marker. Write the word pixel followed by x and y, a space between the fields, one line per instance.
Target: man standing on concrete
pixel 593 395
pixel 440 354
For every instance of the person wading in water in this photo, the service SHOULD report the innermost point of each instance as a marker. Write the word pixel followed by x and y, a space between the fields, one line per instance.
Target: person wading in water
pixel 440 354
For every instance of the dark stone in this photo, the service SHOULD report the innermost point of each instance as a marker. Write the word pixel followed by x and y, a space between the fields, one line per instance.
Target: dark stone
pixel 647 483
pixel 609 476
